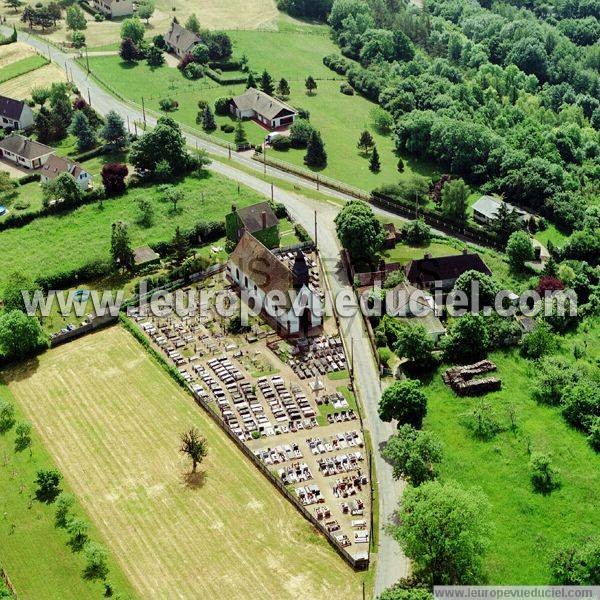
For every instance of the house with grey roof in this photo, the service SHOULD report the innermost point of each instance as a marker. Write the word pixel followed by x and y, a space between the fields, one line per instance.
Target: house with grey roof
pixel 254 104
pixel 55 165
pixel 114 8
pixel 485 210
pixel 24 152
pixel 258 219
pixel 15 114
pixel 180 40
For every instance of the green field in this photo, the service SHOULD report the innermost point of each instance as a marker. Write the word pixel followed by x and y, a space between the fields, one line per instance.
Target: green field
pixel 33 552
pixel 112 423
pixel 526 526
pixel 22 66
pixel 67 241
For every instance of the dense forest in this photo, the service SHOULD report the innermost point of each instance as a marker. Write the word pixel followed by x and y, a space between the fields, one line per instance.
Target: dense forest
pixel 504 94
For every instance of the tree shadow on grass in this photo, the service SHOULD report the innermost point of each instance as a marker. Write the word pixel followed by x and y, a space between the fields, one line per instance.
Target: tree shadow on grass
pixel 194 481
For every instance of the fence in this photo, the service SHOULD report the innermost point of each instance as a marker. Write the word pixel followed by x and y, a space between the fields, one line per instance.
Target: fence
pixel 318 179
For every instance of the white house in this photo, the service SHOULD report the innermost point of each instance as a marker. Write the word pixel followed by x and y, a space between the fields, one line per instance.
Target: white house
pixel 114 8
pixel 254 104
pixel 485 210
pixel 25 153
pixel 55 165
pixel 180 40
pixel 253 268
pixel 15 114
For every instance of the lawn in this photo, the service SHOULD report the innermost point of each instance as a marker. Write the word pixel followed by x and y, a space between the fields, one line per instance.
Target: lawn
pixel 112 423
pixel 32 551
pixel 64 242
pixel 28 199
pixel 21 87
pixel 403 253
pixel 22 66
pixel 527 526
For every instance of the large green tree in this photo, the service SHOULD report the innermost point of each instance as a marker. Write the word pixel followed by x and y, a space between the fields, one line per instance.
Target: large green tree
pixel 415 344
pixel 120 245
pixel 519 249
pixel 444 530
pixel 20 336
pixel 455 194
pixel 12 296
pixel 315 157
pixel 63 188
pixel 405 402
pixel 577 563
pixel 114 132
pixel 80 127
pixel 133 29
pixel 359 231
pixel 413 454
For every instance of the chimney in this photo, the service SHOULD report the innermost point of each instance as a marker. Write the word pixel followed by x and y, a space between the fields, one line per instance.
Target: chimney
pixel 427 256
pixel 263 215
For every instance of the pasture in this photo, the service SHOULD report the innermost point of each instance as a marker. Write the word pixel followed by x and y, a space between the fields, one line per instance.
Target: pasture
pixel 67 241
pixel 112 424
pixel 11 53
pixel 28 536
pixel 21 67
pixel 527 526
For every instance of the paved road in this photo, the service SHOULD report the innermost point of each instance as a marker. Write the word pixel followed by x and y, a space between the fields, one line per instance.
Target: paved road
pixel 391 564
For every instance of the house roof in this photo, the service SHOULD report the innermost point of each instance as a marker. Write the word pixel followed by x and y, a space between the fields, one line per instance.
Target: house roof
pixel 251 216
pixel 181 38
pixel 10 108
pixel 261 103
pixel 56 165
pixel 369 278
pixel 489 205
pixel 402 295
pixel 428 269
pixel 21 146
pixel 432 324
pixel 144 255
pixel 262 266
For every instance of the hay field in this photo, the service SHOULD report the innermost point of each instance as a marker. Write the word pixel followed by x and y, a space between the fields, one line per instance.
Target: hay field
pixel 21 87
pixel 11 53
pixel 111 420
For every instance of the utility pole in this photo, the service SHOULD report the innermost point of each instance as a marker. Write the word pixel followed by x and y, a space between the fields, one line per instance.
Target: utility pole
pixel 272 193
pixel 316 233
pixel 87 60
pixel 128 127
pixel 317 182
pixel 89 97
pixel 265 159
pixel 352 357
pixel 144 112
pixel 229 150
pixel 416 205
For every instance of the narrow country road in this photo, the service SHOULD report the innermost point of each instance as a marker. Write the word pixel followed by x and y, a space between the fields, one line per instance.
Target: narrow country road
pixel 391 563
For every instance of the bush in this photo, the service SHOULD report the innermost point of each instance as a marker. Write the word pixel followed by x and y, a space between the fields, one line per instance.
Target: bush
pixel 168 104
pixel 193 71
pixel 544 476
pixel 300 133
pixel 385 355
pixel 538 342
pixel 99 17
pixel 347 89
pixel 227 128
pixel 416 233
pixel 282 143
pixel 337 63
pixel 222 106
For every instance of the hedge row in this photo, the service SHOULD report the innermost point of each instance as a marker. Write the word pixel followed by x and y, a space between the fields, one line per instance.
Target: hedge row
pixel 223 80
pixel 203 232
pixel 61 280
pixel 29 178
pixel 337 63
pixel 231 65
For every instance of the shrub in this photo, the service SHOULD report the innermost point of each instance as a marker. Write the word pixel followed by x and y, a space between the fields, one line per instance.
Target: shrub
pixel 337 63
pixel 282 143
pixel 300 133
pixel 193 71
pixel 538 342
pixel 222 106
pixel 544 476
pixel 416 233
pixel 99 17
pixel 385 355
pixel 168 104
pixel 346 89
pixel 227 128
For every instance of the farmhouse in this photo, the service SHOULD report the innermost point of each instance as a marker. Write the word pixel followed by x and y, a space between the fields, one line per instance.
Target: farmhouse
pixel 485 210
pixel 180 40
pixel 253 268
pixel 254 104
pixel 15 114
pixel 24 152
pixel 55 165
pixel 114 8
pixel 428 272
pixel 257 219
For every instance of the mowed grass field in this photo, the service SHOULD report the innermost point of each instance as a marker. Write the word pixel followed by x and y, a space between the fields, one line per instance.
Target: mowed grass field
pixel 67 241
pixel 22 66
pixel 32 550
pixel 111 419
pixel 527 527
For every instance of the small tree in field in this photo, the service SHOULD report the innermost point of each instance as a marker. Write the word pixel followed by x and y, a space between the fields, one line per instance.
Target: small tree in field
pixel 192 23
pixel 405 402
pixel 128 51
pixel 311 85
pixel 365 142
pixel 47 481
pixel 95 562
pixel 80 127
pixel 64 503
pixel 400 166
pixel 316 156
pixel 23 437
pixel 7 416
pixel 114 132
pixel 120 245
pixel 251 83
pixel 208 120
pixel 374 162
pixel 240 133
pixel 544 476
pixel 283 88
pixel 266 83
pixel 195 446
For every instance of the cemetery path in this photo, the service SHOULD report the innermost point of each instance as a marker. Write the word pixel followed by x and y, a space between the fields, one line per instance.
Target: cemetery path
pixel 391 563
